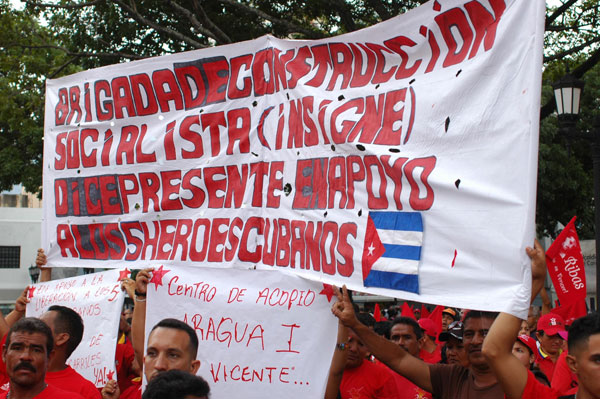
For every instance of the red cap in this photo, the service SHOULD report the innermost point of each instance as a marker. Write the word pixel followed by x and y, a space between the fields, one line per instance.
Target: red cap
pixel 529 342
pixel 551 324
pixel 429 327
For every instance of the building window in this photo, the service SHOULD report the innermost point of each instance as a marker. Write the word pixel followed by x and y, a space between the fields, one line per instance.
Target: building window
pixel 10 257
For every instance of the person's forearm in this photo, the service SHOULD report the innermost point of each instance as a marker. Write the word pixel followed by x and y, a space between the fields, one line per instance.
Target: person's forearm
pixel 13 317
pixel 138 323
pixel 338 363
pixel 383 349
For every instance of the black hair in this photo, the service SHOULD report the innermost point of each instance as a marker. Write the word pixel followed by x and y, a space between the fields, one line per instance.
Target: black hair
pixel 479 314
pixel 582 329
pixel 32 325
pixel 180 325
pixel 68 321
pixel 409 322
pixel 383 328
pixel 366 319
pixel 176 384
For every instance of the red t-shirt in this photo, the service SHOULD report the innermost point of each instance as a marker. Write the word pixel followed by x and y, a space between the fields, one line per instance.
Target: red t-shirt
pixel 536 390
pixel 433 357
pixel 124 357
pixel 70 380
pixel 564 381
pixel 368 381
pixel 51 392
pixel 134 391
pixel 545 364
pixel 408 390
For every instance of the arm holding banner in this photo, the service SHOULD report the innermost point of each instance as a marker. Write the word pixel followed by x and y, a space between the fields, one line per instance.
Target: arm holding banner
pixel 546 304
pixel 386 351
pixel 497 346
pixel 138 320
pixel 338 364
pixel 40 262
pixel 19 311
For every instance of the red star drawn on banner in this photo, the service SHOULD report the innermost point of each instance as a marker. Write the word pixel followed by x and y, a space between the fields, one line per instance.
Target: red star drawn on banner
pixel 327 291
pixel 30 291
pixel 157 276
pixel 123 274
pixel 110 375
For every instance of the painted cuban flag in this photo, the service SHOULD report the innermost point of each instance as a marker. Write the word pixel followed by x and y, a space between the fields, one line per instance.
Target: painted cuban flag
pixel 392 250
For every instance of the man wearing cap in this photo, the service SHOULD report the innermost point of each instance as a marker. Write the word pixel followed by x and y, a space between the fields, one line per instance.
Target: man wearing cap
pixel 550 334
pixel 430 352
pixel 455 350
pixel 448 316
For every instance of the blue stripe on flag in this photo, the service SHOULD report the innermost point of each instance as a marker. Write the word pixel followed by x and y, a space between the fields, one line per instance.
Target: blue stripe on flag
pixel 394 281
pixel 408 221
pixel 409 252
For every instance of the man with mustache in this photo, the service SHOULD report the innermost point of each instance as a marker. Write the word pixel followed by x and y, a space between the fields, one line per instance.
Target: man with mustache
pixel 29 346
pixel 444 381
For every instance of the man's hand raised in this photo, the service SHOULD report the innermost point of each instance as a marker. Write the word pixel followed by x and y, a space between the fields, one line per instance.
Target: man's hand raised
pixel 343 308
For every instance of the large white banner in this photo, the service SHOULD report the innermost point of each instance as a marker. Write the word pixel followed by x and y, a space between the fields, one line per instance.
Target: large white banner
pixel 98 299
pixel 400 159
pixel 260 332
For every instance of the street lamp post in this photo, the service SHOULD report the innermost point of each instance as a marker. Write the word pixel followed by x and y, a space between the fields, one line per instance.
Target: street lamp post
pixel 567 93
pixel 34 273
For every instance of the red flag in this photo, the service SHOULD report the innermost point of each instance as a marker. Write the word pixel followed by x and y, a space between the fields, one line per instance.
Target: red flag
pixel 566 267
pixel 377 312
pixel 424 311
pixel 407 311
pixel 436 316
pixel 372 249
pixel 571 312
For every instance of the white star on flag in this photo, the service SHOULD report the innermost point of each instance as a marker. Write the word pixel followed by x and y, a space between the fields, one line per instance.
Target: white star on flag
pixel 371 248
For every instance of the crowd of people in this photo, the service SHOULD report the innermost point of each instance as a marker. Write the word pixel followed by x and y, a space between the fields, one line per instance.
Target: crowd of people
pixel 465 354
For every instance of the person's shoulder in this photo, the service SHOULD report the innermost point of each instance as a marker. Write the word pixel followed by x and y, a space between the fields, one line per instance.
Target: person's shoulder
pixel 133 392
pixel 534 389
pixel 53 392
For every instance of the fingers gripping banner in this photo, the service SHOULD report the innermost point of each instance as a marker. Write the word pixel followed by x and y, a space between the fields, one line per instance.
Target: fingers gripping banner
pixel 399 159
pixel 98 299
pixel 260 332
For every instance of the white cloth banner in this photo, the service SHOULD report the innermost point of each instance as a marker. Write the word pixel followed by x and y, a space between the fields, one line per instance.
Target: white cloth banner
pixel 260 332
pixel 281 154
pixel 98 299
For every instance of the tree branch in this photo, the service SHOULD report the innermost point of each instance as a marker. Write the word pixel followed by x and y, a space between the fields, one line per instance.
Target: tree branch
pixel 571 50
pixel 559 11
pixel 345 15
pixel 80 54
pixel 380 9
pixel 63 66
pixel 70 6
pixel 291 27
pixel 192 18
pixel 211 25
pixel 169 32
pixel 578 72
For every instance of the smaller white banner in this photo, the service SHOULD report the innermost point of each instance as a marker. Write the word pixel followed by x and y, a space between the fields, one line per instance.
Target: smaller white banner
pixel 259 331
pixel 98 299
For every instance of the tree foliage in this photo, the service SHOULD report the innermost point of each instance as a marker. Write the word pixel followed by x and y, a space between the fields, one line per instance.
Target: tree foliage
pixel 51 38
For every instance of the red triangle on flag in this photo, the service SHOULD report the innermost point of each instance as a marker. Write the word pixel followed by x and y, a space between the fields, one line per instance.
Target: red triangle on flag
pixel 372 249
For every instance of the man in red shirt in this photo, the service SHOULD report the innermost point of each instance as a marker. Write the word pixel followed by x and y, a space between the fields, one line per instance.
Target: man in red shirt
pixel 172 345
pixel 67 330
pixel 550 334
pixel 583 359
pixel 26 356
